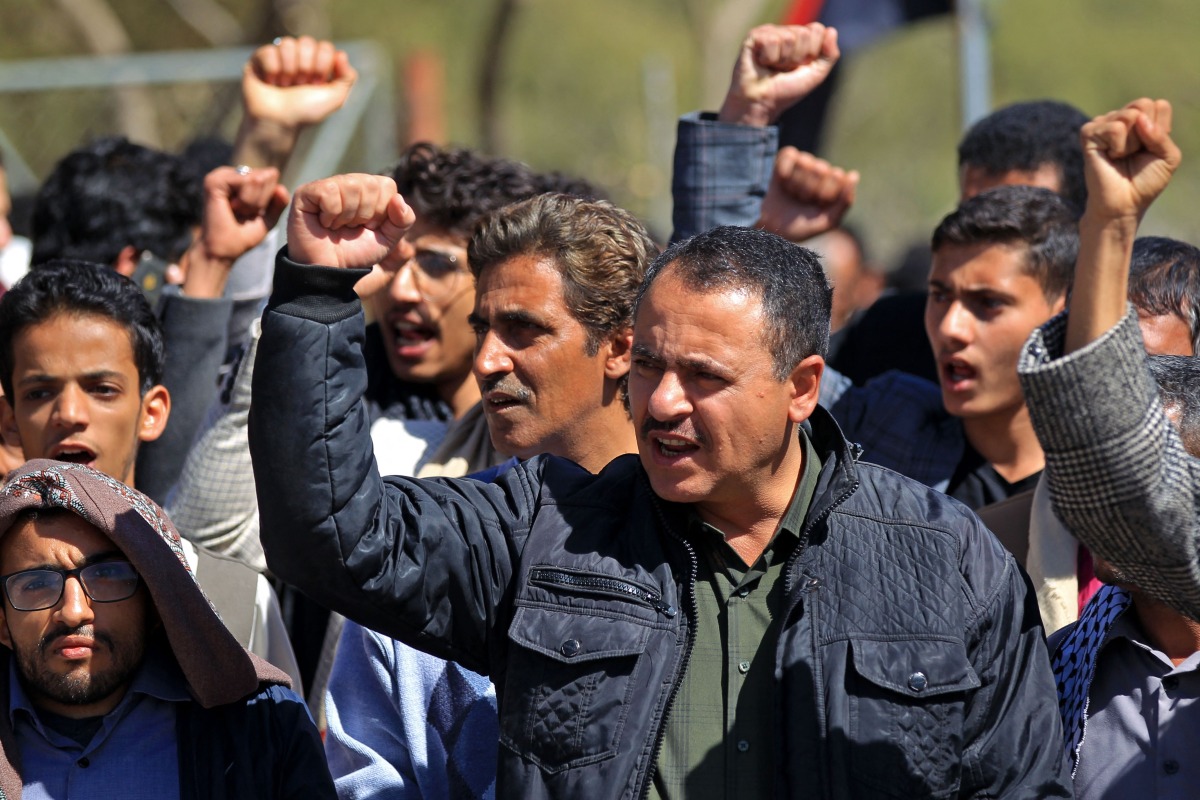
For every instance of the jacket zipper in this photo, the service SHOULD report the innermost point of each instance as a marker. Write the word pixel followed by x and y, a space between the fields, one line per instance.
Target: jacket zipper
pixel 803 545
pixel 687 651
pixel 604 585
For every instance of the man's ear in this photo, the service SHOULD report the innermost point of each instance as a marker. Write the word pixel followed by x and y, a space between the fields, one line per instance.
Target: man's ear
pixel 1059 304
pixel 8 423
pixel 5 636
pixel 618 348
pixel 805 384
pixel 156 407
pixel 126 261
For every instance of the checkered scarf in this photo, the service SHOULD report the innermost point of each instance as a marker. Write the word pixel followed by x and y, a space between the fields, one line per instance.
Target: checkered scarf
pixel 1074 664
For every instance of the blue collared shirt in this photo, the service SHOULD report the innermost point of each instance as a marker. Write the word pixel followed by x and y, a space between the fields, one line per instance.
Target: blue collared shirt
pixel 133 755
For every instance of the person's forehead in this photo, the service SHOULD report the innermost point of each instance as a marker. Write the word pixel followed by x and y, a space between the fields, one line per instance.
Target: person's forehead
pixel 51 536
pixel 974 179
pixel 92 339
pixel 1166 335
pixel 427 234
pixel 523 280
pixel 981 265
pixel 713 320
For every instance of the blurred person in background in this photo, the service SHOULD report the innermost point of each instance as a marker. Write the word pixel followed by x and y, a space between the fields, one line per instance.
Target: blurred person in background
pixel 856 283
pixel 14 250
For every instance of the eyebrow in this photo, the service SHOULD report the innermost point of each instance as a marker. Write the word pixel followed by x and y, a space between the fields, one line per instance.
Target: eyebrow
pixel 520 315
pixel 96 558
pixel 104 374
pixel 972 290
pixel 691 364
pixel 642 351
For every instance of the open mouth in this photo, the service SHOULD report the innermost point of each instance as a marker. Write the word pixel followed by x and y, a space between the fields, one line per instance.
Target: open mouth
pixel 673 448
pixel 405 332
pixel 74 455
pixel 499 401
pixel 956 374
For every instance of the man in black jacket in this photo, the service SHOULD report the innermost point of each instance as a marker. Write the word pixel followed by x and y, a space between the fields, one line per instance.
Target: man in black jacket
pixel 744 610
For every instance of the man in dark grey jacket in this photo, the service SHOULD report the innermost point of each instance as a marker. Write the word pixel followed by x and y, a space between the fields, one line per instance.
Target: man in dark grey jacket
pixel 744 609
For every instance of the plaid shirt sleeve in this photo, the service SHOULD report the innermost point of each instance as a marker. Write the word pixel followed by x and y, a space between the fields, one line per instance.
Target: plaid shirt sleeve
pixel 721 173
pixel 1118 473
pixel 215 504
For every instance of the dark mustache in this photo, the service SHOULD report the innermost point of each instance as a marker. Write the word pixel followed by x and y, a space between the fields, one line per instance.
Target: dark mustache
pixel 650 424
pixel 508 384
pixel 88 631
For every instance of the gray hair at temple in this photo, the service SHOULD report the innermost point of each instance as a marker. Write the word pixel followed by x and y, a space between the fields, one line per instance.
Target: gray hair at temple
pixel 1178 379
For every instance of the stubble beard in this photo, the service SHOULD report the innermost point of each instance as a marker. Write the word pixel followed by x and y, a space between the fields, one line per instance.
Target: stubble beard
pixel 79 686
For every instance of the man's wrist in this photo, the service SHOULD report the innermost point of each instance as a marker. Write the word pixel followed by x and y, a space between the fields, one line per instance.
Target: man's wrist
pixel 205 274
pixel 264 142
pixel 755 115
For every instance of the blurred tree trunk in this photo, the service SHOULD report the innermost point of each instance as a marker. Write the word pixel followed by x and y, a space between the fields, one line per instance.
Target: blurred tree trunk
pixel 210 19
pixel 295 18
pixel 491 70
pixel 102 31
pixel 718 30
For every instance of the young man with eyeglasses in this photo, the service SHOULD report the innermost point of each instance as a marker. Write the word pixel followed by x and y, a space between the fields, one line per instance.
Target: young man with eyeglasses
pixel 122 680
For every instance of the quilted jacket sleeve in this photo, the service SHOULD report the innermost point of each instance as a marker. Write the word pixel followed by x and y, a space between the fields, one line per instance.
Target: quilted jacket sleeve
pixel 423 561
pixel 1118 473
pixel 1012 722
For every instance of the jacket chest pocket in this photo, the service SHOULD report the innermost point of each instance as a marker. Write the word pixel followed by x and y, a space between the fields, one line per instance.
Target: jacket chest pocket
pixel 906 716
pixel 568 686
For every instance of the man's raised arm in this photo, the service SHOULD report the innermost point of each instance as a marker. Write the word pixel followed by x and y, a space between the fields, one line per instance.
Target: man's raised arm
pixel 1118 474
pixel 421 561
pixel 724 161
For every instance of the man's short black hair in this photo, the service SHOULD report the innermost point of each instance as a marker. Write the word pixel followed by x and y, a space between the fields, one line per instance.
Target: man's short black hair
pixel 1025 136
pixel 796 296
pixel 1164 278
pixel 1036 218
pixel 83 288
pixel 1178 379
pixel 111 194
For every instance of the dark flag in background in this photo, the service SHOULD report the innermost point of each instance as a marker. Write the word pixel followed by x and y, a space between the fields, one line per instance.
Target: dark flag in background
pixel 858 22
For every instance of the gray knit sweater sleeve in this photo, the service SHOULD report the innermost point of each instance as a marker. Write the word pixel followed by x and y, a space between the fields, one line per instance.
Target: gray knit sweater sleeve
pixel 1118 473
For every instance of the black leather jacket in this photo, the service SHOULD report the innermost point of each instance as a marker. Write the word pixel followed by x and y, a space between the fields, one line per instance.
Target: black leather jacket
pixel 910 663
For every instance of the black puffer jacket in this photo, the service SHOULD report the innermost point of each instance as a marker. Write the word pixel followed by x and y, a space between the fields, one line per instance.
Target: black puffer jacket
pixel 910 663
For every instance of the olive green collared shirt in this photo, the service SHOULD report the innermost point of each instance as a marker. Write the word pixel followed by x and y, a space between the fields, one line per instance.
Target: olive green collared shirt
pixel 720 739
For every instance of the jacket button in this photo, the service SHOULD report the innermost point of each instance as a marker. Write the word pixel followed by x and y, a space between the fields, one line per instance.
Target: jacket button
pixel 1170 766
pixel 570 647
pixel 917 681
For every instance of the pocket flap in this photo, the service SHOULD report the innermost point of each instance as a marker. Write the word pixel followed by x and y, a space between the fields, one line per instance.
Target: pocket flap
pixel 915 667
pixel 572 636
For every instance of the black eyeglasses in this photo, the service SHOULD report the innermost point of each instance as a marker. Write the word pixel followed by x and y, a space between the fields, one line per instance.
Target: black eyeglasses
pixel 103 582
